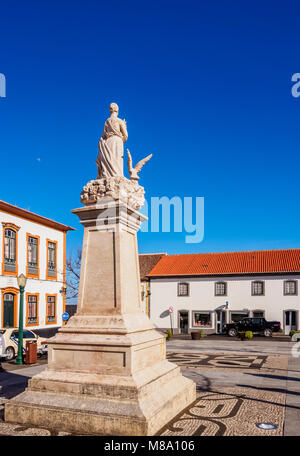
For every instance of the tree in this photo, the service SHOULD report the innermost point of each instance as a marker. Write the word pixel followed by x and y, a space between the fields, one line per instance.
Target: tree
pixel 73 265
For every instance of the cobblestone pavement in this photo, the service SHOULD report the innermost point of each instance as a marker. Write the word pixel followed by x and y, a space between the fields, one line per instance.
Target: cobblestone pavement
pixel 238 386
pixel 234 411
pixel 229 361
pixel 259 381
pixel 225 410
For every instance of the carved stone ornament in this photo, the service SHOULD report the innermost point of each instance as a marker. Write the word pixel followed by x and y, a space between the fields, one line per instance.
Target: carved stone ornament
pixel 117 188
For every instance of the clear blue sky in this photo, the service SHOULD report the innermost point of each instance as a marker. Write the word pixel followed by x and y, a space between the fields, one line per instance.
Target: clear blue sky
pixel 204 86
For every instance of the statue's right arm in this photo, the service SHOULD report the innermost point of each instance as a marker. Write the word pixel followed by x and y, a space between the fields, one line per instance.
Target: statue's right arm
pixel 123 128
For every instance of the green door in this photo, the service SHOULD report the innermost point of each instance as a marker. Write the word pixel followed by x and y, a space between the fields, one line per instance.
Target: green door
pixel 8 310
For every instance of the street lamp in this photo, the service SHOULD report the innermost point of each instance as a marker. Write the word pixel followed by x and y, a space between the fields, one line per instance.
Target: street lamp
pixel 64 288
pixel 22 283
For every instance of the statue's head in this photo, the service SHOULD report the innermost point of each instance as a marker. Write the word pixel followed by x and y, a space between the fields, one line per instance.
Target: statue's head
pixel 113 107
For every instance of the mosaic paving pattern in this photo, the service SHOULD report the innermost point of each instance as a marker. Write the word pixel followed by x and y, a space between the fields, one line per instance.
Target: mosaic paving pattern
pixel 228 361
pixel 232 411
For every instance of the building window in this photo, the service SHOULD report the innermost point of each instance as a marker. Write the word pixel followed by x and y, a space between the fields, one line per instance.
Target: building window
pixel 258 288
pixel 238 316
pixel 258 314
pixel 32 256
pixel 202 319
pixel 183 289
pixel 51 309
pixel 220 289
pixel 290 287
pixel 10 250
pixel 51 263
pixel 32 309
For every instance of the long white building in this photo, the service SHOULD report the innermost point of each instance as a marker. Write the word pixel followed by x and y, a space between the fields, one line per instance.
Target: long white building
pixel 35 246
pixel 207 290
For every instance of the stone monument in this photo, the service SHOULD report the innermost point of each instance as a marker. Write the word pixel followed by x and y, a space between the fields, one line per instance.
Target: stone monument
pixel 107 371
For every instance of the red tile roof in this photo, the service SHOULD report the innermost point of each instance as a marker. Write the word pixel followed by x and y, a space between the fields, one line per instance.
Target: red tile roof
pixel 147 262
pixel 260 261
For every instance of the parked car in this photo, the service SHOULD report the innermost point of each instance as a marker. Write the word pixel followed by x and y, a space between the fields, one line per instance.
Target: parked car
pixel 256 325
pixel 10 337
pixel 2 349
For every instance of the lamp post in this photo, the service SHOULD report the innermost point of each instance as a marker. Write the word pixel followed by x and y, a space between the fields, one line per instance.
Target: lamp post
pixel 63 291
pixel 22 283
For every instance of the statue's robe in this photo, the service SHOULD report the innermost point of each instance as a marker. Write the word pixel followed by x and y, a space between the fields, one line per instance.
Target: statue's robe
pixel 111 150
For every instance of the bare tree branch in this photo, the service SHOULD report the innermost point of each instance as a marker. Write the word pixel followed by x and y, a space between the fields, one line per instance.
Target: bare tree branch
pixel 73 265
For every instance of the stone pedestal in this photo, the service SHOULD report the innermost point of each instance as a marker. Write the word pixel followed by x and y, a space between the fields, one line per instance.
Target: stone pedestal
pixel 107 370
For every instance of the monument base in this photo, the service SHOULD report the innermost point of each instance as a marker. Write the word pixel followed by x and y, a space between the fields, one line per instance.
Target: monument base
pixel 151 405
pixel 104 381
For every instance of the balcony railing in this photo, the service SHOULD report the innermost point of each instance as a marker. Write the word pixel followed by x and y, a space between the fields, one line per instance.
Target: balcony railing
pixel 9 265
pixel 32 268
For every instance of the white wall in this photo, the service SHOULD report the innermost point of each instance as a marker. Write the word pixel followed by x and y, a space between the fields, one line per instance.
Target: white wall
pixel 41 285
pixel 202 297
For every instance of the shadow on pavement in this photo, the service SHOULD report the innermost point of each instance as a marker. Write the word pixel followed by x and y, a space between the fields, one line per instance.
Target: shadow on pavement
pixel 218 390
pixel 278 377
pixel 205 385
pixel 12 384
pixel 275 390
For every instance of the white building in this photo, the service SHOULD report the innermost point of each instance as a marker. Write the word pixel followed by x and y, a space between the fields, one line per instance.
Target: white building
pixel 208 290
pixel 35 246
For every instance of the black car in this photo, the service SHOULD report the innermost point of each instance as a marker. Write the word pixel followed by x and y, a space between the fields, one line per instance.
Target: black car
pixel 256 325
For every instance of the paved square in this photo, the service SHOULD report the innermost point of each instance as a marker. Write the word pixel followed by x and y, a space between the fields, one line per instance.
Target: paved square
pixel 230 412
pixel 238 385
pixel 229 361
pixel 225 410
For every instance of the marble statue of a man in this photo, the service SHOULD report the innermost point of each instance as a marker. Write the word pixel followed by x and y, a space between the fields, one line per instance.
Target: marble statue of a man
pixel 110 157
